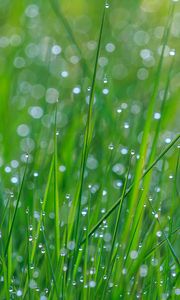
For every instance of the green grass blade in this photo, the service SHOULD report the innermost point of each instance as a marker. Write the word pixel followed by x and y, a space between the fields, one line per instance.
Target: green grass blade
pixel 77 201
pixel 16 208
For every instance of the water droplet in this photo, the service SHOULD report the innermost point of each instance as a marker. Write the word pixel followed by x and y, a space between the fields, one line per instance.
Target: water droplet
pixel 106 5
pixel 119 110
pixel 172 52
pixel 92 284
pixel 143 271
pixel 111 146
pixel 177 291
pixel 104 192
pixel 110 47
pixel 76 90
pixel 105 79
pixel 133 254
pixel 132 152
pixel 43 250
pixel 84 212
pixel 62 168
pixel 30 227
pixel 105 91
pixel 167 140
pixel 19 293
pixel 65 268
pixel 56 49
pixel 7 169
pixel 63 252
pixel 71 245
pixel 30 238
pixel 124 271
pixel 159 233
pixel 157 116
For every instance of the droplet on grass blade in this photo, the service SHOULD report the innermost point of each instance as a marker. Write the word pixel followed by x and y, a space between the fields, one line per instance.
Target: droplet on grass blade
pixel 133 254
pixel 71 245
pixel 172 52
pixel 143 271
pixel 92 284
pixel 107 5
pixel 111 146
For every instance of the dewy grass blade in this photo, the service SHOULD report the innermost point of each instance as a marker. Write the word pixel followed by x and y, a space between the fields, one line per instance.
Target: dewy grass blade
pixel 161 243
pixel 32 255
pixel 75 209
pixel 43 208
pixel 50 264
pixel 16 208
pixel 111 259
pixel 109 212
pixel 4 214
pixel 167 239
pixel 56 197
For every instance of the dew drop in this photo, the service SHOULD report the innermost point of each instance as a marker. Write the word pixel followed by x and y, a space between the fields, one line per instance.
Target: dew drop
pixel 172 52
pixel 111 146
pixel 92 284
pixel 133 254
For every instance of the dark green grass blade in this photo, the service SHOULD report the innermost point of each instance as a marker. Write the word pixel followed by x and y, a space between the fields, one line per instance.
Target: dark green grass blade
pixel 109 212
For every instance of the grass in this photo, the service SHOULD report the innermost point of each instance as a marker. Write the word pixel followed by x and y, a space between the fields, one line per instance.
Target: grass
pixel 89 150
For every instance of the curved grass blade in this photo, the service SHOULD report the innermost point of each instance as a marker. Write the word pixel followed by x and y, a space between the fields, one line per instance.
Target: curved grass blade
pixel 40 221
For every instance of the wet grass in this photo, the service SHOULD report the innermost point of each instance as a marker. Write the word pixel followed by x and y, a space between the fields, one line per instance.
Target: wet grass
pixel 89 150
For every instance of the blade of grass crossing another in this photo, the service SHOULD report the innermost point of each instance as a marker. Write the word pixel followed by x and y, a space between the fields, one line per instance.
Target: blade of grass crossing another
pixel 116 204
